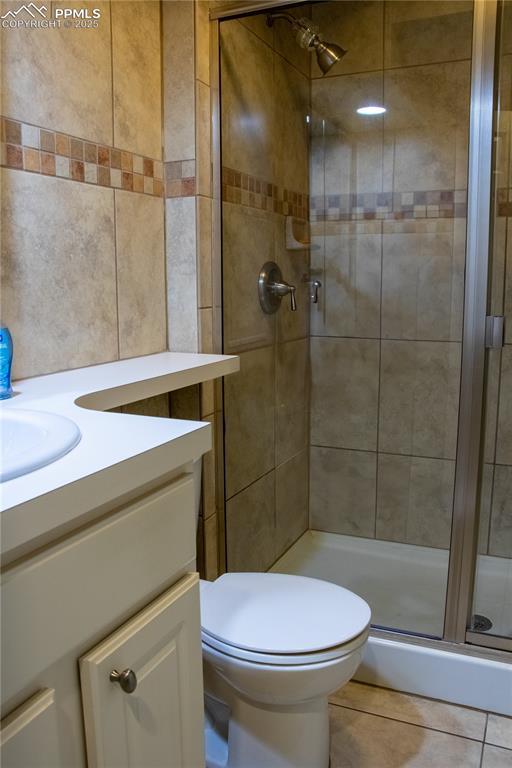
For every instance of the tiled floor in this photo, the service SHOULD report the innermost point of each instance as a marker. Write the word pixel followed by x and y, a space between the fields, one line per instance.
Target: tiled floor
pixel 378 728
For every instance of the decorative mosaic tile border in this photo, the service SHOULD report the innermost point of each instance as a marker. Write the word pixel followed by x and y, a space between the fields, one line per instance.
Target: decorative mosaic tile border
pixel 51 153
pixel 180 178
pixel 435 204
pixel 244 189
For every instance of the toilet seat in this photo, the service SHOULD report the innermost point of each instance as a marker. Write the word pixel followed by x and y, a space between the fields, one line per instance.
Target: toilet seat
pixel 277 619
pixel 285 660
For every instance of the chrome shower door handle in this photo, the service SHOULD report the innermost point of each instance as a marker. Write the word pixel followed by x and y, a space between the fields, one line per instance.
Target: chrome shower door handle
pixel 313 295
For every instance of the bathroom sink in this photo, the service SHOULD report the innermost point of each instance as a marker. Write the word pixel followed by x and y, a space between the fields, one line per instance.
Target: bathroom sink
pixel 32 439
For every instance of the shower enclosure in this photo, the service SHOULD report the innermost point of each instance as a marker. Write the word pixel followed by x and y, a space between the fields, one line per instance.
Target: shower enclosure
pixel 368 435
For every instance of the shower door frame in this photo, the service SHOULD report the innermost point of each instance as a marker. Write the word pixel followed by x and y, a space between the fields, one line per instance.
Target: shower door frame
pixel 463 546
pixel 468 466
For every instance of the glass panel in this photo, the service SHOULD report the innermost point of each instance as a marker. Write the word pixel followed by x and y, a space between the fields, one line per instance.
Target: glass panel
pixel 388 223
pixel 342 466
pixel 492 610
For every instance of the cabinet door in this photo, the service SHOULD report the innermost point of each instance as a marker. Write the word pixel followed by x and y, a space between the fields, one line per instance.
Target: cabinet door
pixel 29 737
pixel 159 724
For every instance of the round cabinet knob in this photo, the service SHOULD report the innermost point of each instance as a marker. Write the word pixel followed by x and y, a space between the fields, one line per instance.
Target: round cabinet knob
pixel 127 679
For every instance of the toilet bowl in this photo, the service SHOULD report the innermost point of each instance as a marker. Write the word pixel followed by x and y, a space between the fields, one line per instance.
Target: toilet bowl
pixel 274 648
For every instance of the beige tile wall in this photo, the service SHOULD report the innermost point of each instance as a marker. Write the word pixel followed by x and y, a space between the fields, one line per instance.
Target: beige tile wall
pixel 193 296
pixel 58 278
pixel 91 274
pixel 104 273
pixel 386 335
pixel 92 269
pixel 137 76
pixel 265 100
pixel 32 59
pixel 83 271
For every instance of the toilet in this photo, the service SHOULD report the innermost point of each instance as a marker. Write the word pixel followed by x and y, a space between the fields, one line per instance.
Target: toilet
pixel 274 647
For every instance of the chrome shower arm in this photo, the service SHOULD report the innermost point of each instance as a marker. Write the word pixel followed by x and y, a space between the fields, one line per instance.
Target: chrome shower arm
pixel 308 37
pixel 297 24
pixel 271 17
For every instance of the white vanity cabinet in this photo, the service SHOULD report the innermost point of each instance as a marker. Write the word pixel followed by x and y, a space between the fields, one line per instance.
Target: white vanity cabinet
pixel 117 594
pixel 29 735
pixel 141 687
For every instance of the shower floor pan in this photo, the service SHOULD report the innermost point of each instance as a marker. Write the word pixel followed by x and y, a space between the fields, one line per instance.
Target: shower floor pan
pixel 405 585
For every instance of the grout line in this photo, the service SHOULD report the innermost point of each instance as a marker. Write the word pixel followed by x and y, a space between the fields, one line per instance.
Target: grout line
pixel 495 442
pixel 383 70
pixel 498 746
pixel 379 375
pixel 283 554
pixel 377 338
pixel 384 453
pixel 421 697
pixel 486 726
pixel 163 81
pixel 112 73
pixel 268 45
pixel 117 275
pixel 246 487
pixel 483 742
pixel 489 521
pixel 406 722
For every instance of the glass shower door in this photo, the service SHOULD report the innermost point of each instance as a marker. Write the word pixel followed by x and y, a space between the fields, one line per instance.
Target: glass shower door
pixel 491 622
pixel 388 185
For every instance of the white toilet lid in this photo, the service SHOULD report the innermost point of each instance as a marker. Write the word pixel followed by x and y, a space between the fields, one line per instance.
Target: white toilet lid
pixel 275 613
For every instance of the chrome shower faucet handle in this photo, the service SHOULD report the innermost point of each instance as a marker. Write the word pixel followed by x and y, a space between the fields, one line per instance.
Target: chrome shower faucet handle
pixel 272 288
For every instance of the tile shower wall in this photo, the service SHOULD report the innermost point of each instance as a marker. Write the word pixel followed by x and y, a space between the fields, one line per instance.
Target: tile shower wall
pixel 83 266
pixel 388 205
pixel 265 100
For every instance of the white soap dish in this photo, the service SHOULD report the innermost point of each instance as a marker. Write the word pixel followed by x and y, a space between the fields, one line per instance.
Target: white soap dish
pixel 297 234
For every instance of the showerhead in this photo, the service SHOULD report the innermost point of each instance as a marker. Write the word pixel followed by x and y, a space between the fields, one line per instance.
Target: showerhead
pixel 327 54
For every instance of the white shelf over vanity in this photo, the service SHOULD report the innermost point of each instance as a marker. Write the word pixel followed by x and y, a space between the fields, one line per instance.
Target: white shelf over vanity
pixel 118 453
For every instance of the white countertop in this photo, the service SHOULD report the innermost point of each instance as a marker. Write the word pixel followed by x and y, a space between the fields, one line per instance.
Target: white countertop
pixel 117 452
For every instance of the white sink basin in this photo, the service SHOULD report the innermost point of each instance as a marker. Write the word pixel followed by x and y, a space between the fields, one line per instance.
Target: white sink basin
pixel 32 439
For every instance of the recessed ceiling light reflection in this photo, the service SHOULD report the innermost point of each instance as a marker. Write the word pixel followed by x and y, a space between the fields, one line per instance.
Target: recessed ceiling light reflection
pixel 371 110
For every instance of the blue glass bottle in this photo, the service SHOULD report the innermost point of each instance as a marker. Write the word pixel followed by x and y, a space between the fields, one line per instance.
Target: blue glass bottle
pixel 6 349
